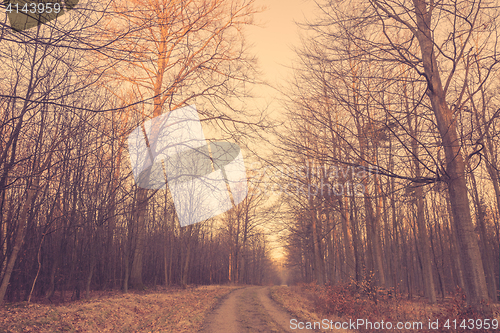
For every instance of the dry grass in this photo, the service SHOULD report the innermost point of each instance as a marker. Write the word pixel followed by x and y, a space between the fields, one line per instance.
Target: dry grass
pixel 292 299
pixel 178 311
pixel 309 302
pixel 301 305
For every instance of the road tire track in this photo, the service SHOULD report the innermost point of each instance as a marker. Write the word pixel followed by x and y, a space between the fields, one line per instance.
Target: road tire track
pixel 249 310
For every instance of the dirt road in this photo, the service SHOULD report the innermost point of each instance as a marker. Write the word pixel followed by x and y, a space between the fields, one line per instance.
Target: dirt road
pixel 249 309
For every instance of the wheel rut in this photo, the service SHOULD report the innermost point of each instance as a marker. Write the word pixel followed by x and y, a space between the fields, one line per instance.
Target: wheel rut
pixel 249 310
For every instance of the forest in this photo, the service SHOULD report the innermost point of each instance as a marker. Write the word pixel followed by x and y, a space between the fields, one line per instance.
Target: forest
pixel 381 170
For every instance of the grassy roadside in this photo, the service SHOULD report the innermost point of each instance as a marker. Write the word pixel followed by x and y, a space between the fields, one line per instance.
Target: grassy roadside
pixel 308 302
pixel 295 302
pixel 178 311
pixel 300 305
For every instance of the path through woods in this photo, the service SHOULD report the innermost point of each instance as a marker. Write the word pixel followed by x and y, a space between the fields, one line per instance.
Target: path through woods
pixel 249 309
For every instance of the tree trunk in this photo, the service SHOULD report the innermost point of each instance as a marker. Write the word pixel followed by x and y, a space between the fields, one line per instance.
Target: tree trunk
pixel 346 230
pixel 486 250
pixel 423 238
pixel 429 287
pixel 18 241
pixel 136 270
pixel 474 278
pixel 376 235
pixel 21 226
pixel 185 268
pixel 357 247
pixel 455 259
pixel 318 260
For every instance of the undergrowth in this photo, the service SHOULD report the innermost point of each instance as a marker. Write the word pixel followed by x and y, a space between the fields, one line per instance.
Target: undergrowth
pixel 362 301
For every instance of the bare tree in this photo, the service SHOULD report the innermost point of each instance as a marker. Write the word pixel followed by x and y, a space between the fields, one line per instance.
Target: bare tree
pixel 363 48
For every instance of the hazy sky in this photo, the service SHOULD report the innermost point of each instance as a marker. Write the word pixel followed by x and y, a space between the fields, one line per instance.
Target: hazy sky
pixel 273 39
pixel 276 34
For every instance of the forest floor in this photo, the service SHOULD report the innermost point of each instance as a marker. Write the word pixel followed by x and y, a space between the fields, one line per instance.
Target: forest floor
pixel 303 307
pixel 240 309
pixel 169 310
pixel 209 309
pixel 348 306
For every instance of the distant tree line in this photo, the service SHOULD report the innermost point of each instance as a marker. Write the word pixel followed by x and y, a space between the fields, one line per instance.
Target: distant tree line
pixel 72 219
pixel 405 94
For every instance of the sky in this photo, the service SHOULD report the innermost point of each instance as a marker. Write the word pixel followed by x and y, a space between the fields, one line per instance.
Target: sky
pixel 274 36
pixel 273 39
